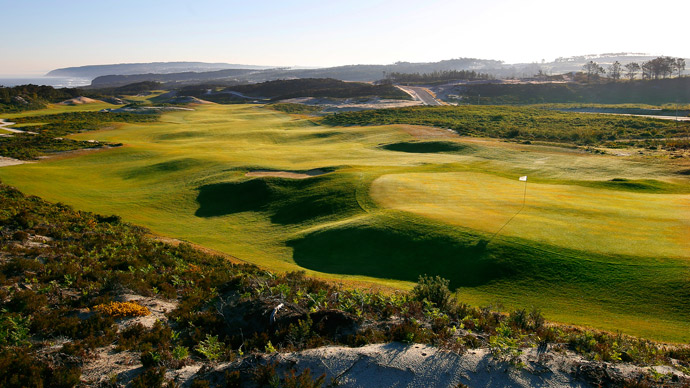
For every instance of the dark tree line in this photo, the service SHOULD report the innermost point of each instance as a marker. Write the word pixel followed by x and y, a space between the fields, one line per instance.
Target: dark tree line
pixel 437 76
pixel 658 68
pixel 36 92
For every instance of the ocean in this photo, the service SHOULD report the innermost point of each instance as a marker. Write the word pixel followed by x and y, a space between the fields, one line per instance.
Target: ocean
pixel 56 82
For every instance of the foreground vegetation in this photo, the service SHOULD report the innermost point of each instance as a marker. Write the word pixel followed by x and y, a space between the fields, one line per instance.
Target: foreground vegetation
pixel 63 273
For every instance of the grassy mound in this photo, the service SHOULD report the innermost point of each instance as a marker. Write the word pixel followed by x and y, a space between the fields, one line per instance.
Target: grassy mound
pixel 287 201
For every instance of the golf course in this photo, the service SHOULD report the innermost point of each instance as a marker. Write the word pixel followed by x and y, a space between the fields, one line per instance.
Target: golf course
pixel 598 240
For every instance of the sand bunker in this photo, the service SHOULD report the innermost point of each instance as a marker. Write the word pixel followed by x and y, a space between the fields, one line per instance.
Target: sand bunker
pixel 287 174
pixel 79 101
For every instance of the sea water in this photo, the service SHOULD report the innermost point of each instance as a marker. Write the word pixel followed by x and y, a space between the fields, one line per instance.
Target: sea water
pixel 56 82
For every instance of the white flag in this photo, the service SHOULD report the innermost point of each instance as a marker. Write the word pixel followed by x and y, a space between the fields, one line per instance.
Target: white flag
pixel 523 178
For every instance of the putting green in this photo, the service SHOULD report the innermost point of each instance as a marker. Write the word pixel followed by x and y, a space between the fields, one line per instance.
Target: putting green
pixel 597 220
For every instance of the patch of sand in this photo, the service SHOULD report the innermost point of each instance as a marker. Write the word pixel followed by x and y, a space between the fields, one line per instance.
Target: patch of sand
pixel 79 101
pixel 286 174
pixel 10 161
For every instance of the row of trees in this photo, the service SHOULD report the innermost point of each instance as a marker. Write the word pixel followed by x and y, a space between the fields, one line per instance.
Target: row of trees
pixel 436 76
pixel 661 67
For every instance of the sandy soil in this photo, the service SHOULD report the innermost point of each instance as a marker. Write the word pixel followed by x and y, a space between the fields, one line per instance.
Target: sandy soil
pixel 286 174
pixel 10 161
pixel 79 101
pixel 424 366
pixel 400 365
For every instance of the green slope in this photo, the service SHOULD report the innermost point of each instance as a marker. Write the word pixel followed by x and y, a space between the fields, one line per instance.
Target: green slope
pixel 184 177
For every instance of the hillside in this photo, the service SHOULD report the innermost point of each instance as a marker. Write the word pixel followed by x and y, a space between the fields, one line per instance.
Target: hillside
pixel 294 88
pixel 654 92
pixel 189 72
pixel 366 73
pixel 93 71
pixel 226 75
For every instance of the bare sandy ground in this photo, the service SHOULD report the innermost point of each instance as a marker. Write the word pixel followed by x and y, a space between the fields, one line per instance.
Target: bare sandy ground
pixel 10 161
pixel 286 174
pixel 79 101
pixel 400 365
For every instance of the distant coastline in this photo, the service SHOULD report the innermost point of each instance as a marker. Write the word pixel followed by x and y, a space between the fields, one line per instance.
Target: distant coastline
pixel 57 82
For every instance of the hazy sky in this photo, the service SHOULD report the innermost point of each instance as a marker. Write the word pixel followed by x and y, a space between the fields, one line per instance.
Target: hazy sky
pixel 40 35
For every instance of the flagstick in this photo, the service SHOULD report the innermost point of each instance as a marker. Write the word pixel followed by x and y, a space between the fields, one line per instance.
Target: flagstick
pixel 524 197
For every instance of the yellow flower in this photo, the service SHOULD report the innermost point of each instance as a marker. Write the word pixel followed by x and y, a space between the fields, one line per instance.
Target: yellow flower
pixel 122 309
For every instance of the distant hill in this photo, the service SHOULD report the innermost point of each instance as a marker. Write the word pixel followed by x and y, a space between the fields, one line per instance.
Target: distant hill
pixel 294 88
pixel 188 73
pixel 93 71
pixel 365 73
pixel 228 76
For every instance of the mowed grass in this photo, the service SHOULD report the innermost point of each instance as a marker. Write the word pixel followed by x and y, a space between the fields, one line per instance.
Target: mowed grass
pixel 386 216
pixel 575 217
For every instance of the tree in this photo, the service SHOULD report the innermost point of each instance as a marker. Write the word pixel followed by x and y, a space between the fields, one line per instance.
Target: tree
pixel 615 71
pixel 646 70
pixel 660 67
pixel 632 69
pixel 593 70
pixel 679 66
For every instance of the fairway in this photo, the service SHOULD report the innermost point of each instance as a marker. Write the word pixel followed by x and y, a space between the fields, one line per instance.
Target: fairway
pixel 602 241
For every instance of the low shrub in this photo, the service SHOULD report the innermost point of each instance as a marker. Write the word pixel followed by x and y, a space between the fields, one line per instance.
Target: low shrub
pixel 122 309
pixel 433 289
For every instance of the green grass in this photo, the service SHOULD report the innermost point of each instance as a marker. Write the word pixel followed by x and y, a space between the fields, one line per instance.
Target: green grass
pixel 57 108
pixel 388 215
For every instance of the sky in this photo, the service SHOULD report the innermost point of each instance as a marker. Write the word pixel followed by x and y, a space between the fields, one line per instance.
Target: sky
pixel 41 35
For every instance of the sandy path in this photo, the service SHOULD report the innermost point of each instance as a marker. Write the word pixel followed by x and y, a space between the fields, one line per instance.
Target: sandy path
pixel 4 125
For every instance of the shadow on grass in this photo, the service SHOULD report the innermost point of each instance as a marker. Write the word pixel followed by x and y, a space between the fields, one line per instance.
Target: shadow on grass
pixel 228 198
pixel 167 167
pixel 287 201
pixel 426 147
pixel 393 254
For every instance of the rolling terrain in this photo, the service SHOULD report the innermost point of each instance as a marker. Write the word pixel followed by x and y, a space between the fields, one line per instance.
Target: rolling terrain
pixel 602 240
